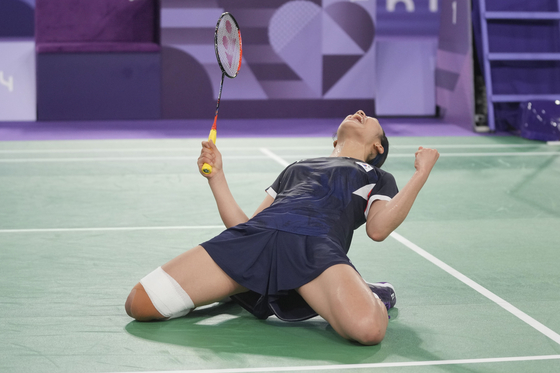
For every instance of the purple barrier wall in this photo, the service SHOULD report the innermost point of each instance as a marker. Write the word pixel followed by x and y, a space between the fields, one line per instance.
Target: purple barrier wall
pixel 98 60
pixel 17 18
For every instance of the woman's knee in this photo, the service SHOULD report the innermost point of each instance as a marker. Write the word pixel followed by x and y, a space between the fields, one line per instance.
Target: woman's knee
pixel 139 306
pixel 367 331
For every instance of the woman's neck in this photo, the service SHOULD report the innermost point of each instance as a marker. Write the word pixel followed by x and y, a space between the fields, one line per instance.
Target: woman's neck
pixel 350 149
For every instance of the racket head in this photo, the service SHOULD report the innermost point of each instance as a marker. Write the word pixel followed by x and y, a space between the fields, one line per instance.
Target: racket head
pixel 228 45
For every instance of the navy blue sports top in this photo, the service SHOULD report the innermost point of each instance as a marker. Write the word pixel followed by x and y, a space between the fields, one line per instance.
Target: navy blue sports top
pixel 328 196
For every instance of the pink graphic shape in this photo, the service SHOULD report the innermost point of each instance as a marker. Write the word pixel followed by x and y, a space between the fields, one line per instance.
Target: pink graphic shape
pixel 229 49
pixel 229 59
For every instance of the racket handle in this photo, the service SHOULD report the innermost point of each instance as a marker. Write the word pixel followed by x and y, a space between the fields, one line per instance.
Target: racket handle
pixel 206 168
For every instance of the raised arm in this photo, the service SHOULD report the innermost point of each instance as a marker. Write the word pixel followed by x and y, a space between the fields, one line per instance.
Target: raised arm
pixel 229 210
pixel 385 216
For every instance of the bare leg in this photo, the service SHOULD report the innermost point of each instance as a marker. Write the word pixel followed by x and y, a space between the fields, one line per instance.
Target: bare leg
pixel 203 280
pixel 342 298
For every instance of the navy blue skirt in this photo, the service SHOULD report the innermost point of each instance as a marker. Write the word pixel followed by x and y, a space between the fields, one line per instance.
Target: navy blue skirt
pixel 272 264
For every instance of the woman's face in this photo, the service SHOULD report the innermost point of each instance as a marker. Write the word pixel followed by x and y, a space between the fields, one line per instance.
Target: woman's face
pixel 359 123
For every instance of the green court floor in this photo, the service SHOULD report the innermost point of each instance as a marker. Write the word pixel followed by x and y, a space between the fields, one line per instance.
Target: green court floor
pixel 476 265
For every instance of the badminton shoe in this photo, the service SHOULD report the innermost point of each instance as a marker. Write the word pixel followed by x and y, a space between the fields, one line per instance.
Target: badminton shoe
pixel 385 291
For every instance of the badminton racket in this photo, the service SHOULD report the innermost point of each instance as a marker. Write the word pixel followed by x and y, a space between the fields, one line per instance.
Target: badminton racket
pixel 228 48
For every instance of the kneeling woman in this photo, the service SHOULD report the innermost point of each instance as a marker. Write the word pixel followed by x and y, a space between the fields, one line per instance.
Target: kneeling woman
pixel 290 258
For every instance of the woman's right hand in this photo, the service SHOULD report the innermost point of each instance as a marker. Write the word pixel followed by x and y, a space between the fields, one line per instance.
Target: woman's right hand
pixel 211 155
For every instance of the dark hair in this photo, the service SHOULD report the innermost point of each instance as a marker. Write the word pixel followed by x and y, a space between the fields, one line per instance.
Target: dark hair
pixel 380 158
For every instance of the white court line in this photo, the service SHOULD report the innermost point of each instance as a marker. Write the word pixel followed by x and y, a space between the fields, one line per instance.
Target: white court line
pixel 466 146
pixel 113 159
pixel 98 150
pixel 226 148
pixel 367 366
pixel 101 229
pixel 494 154
pixel 274 156
pixel 217 320
pixel 504 154
pixel 482 290
pixel 267 152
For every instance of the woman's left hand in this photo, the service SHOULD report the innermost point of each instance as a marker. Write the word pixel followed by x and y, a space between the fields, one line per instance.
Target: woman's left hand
pixel 425 159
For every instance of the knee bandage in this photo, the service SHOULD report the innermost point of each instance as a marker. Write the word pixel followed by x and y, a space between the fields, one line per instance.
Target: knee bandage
pixel 167 296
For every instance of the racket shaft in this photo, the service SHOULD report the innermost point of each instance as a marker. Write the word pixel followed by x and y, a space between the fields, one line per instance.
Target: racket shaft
pixel 206 168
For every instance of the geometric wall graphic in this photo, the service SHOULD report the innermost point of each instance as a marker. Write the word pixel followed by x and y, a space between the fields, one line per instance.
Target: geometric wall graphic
pixel 322 45
pixel 314 54
pixel 348 36
pixel 185 88
pixel 303 49
pixel 335 67
pixel 303 57
pixel 355 21
pixel 295 35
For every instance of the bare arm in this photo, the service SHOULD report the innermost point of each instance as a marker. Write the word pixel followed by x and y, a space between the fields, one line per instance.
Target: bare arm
pixel 229 210
pixel 264 204
pixel 385 216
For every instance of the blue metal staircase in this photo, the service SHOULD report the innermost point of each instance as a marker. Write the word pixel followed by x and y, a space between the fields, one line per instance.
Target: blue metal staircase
pixel 486 18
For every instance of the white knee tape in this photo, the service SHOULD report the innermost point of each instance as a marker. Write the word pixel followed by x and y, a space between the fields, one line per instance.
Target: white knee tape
pixel 167 296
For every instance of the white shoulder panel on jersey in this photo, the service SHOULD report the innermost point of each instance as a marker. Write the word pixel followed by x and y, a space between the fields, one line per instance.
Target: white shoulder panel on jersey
pixel 364 191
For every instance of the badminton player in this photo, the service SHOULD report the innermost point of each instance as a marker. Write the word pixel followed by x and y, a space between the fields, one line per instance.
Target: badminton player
pixel 290 258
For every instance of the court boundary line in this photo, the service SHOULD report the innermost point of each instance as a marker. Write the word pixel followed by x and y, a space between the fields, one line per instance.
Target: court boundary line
pixel 98 229
pixel 479 288
pixel 366 365
pixel 265 151
pixel 226 148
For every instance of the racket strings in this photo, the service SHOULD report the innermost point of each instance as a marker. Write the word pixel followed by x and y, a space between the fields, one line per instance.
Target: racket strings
pixel 228 46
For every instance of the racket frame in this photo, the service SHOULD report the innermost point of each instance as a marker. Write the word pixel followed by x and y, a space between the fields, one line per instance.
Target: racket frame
pixel 206 168
pixel 227 14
